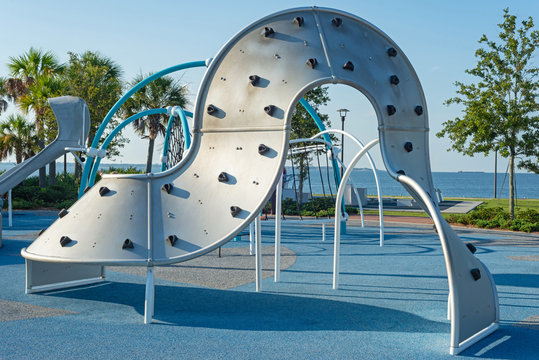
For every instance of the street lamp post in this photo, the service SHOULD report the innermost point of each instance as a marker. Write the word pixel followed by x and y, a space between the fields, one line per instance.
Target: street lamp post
pixel 342 113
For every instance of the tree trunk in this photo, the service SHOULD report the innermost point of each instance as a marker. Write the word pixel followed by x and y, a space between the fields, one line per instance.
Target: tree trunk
pixel 43 170
pixel 52 173
pixel 150 155
pixel 511 184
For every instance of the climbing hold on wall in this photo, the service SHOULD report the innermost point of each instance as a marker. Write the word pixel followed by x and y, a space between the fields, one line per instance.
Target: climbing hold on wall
pixel 408 146
pixel 103 190
pixel 312 63
pixel 392 52
pixel 268 31
pixel 348 66
pixel 127 244
pixel 269 109
pixel 235 210
pixel 262 149
pixel 211 109
pixel 418 109
pixel 64 240
pixel 391 110
pixel 472 248
pixel 172 239
pixel 167 188
pixel 253 79
pixel 298 20
pixel 476 274
pixel 336 21
pixel 63 213
pixel 223 177
pixel 394 80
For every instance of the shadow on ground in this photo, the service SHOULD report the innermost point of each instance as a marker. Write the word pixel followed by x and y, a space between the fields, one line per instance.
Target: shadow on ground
pixel 236 310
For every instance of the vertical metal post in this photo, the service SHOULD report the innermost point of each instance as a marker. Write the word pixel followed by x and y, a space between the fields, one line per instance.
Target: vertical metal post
pixel 150 293
pixel 258 252
pixel 10 209
pixel 278 199
pixel 65 163
pixel 251 239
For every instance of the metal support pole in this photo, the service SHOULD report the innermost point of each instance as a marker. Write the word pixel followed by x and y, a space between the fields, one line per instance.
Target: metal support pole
pixel 65 163
pixel 150 293
pixel 10 209
pixel 258 252
pixel 251 239
pixel 278 199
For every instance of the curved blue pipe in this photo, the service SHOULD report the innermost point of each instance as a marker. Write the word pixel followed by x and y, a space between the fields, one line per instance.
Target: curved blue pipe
pixel 326 137
pixel 185 126
pixel 97 137
pixel 115 132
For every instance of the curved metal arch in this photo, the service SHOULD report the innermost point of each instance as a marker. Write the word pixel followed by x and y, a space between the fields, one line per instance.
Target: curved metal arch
pixel 228 136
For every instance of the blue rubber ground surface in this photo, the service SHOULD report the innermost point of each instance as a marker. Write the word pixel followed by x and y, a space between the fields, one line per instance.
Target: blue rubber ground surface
pixel 392 305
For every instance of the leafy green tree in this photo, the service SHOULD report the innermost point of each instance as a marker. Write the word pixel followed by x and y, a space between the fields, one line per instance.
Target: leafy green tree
pixel 500 108
pixel 96 79
pixel 303 126
pixel 34 78
pixel 17 136
pixel 4 95
pixel 160 93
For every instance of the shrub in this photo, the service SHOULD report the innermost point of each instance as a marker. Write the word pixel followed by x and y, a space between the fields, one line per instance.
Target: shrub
pixel 497 217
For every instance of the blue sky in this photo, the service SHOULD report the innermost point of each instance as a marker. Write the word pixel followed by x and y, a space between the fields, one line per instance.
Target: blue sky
pixel 439 38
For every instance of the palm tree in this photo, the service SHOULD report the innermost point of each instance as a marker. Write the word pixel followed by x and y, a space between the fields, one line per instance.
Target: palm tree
pixel 160 93
pixel 4 95
pixel 35 77
pixel 17 136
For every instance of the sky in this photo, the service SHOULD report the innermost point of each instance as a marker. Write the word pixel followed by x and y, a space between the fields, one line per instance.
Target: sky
pixel 439 38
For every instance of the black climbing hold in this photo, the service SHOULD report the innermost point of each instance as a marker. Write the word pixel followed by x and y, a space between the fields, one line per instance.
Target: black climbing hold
pixel 401 172
pixel 408 146
pixel 348 66
pixel 269 109
pixel 262 149
pixel 167 188
pixel 172 239
pixel 103 190
pixel 391 110
pixel 63 213
pixel 211 109
pixel 476 274
pixel 86 189
pixel 223 177
pixel 418 110
pixel 298 20
pixel 41 232
pixel 127 244
pixel 392 52
pixel 336 21
pixel 394 80
pixel 312 63
pixel 253 79
pixel 472 248
pixel 268 31
pixel 64 240
pixel 235 210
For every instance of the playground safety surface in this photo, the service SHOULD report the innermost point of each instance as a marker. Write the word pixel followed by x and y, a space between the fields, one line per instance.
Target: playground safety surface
pixel 391 305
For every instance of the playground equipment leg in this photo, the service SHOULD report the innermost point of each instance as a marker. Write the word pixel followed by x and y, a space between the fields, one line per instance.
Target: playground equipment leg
pixel 258 252
pixel 150 294
pixel 278 196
